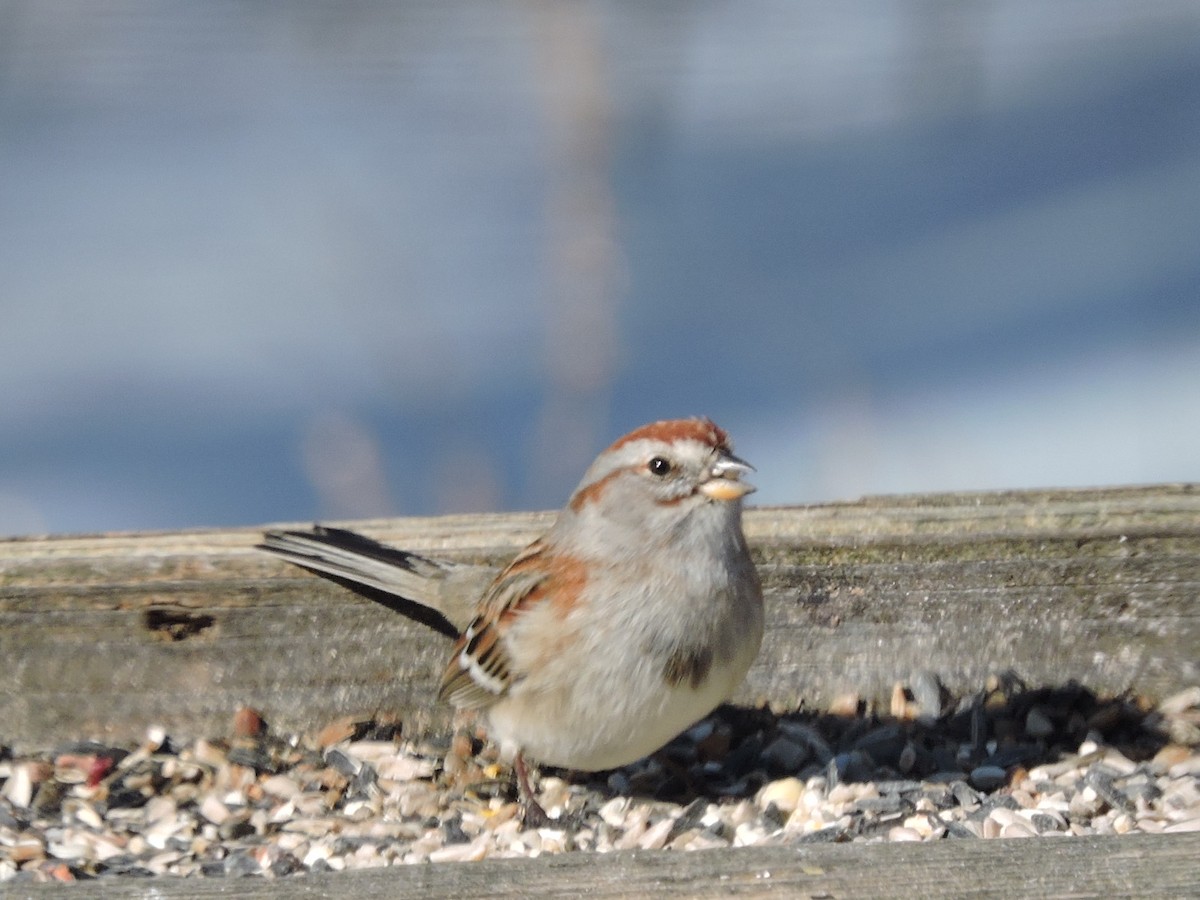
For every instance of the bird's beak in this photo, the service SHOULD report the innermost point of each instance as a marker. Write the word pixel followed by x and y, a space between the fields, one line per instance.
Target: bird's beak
pixel 724 479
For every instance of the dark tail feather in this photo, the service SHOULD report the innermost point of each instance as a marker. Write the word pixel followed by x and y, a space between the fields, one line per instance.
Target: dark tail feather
pixel 371 569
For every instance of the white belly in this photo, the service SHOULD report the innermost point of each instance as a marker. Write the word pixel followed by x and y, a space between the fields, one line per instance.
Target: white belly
pixel 606 722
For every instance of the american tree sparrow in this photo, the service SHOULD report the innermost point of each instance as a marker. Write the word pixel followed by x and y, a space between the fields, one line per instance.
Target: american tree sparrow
pixel 635 615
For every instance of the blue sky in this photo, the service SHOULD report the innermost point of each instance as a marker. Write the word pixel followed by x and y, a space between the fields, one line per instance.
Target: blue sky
pixel 276 263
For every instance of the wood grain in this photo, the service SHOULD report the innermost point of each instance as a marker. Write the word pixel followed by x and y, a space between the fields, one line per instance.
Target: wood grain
pixel 102 636
pixel 1142 866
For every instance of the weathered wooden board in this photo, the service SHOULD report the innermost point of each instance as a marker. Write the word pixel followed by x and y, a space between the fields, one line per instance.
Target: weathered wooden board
pixel 1141 866
pixel 102 636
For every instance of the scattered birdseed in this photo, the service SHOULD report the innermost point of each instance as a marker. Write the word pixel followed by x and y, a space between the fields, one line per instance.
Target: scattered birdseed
pixel 1005 762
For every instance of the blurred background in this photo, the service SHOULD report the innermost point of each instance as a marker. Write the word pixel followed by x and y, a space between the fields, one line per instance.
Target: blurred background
pixel 288 261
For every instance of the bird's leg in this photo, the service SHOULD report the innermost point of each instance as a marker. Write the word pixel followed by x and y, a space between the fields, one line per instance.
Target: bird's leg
pixel 534 816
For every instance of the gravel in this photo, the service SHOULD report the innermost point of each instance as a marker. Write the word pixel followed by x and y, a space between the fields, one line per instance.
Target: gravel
pixel 1005 762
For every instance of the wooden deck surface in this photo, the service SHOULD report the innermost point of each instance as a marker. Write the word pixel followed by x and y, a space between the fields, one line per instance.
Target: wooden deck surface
pixel 1134 866
pixel 103 636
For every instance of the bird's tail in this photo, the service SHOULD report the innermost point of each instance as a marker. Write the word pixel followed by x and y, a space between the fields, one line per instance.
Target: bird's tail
pixel 411 584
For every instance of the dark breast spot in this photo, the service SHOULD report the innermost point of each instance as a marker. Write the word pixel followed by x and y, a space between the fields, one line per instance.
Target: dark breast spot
pixel 688 664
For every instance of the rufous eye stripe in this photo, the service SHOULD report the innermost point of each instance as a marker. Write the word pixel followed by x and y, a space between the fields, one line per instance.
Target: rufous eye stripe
pixel 590 492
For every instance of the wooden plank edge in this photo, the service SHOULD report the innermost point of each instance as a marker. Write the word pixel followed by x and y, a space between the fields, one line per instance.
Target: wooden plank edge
pixel 1140 866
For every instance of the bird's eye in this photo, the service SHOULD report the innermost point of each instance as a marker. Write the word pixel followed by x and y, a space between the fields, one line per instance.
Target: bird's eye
pixel 660 467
